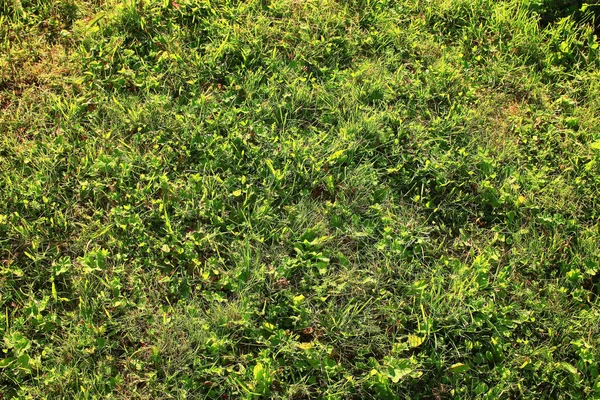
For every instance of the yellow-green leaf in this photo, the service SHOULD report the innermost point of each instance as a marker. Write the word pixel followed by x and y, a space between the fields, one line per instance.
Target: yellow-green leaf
pixel 458 368
pixel 415 340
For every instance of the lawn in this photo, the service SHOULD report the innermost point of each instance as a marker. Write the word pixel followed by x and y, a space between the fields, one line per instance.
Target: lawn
pixel 299 199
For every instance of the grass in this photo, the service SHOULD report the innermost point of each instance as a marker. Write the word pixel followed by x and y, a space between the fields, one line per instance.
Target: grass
pixel 296 199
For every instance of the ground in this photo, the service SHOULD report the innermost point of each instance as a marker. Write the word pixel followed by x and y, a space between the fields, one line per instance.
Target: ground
pixel 296 199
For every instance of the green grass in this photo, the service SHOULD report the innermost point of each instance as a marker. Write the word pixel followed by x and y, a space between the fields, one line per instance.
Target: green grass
pixel 294 199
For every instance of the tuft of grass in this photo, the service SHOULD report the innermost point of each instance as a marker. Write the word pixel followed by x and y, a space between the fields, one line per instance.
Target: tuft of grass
pixel 297 199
